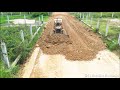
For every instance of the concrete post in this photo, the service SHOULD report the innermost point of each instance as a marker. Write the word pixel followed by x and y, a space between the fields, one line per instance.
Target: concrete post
pixel 4 53
pixel 107 27
pixel 119 39
pixel 22 35
pixel 98 24
pixel 31 33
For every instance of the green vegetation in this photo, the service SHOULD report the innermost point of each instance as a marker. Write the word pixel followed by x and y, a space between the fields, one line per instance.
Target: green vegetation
pixel 113 31
pixel 8 73
pixel 28 48
pixel 3 19
pixel 37 14
pixel 45 18
pixel 98 14
pixel 14 47
pixel 112 45
pixel 12 38
pixel 31 15
pixel 106 14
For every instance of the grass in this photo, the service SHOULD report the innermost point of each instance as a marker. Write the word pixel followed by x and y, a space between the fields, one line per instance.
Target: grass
pixel 113 32
pixel 14 50
pixel 11 36
pixel 112 45
pixel 28 48
pixel 3 19
pixel 8 73
pixel 98 14
pixel 45 18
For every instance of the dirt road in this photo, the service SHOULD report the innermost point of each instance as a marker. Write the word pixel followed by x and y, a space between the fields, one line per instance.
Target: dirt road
pixel 82 43
pixel 83 54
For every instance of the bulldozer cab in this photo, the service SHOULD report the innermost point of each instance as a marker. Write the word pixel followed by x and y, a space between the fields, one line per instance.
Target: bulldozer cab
pixel 58 25
pixel 58 22
pixel 58 28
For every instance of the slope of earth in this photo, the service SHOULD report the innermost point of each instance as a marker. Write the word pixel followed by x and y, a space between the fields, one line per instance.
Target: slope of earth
pixel 78 44
pixel 105 65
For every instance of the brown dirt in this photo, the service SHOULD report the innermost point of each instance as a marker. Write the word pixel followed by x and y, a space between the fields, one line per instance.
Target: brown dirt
pixel 46 63
pixel 105 65
pixel 81 44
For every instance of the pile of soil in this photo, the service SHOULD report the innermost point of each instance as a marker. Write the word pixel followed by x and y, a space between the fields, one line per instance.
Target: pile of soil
pixel 58 39
pixel 80 44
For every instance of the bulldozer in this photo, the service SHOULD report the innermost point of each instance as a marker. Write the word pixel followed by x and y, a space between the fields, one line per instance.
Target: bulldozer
pixel 58 28
pixel 58 35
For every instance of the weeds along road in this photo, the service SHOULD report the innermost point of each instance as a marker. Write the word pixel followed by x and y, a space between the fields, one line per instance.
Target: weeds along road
pixel 82 54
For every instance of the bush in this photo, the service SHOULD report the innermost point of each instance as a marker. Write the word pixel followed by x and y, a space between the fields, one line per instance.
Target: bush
pixel 7 73
pixel 36 14
pixel 112 46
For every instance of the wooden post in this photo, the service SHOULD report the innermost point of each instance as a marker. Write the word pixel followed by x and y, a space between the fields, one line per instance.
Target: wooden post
pixel 98 24
pixel 107 27
pixel 22 35
pixel 119 39
pixel 31 33
pixel 42 18
pixel 4 53
pixel 112 14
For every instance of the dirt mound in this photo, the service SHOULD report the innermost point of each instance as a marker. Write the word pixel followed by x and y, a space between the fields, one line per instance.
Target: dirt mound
pixel 58 39
pixel 81 44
